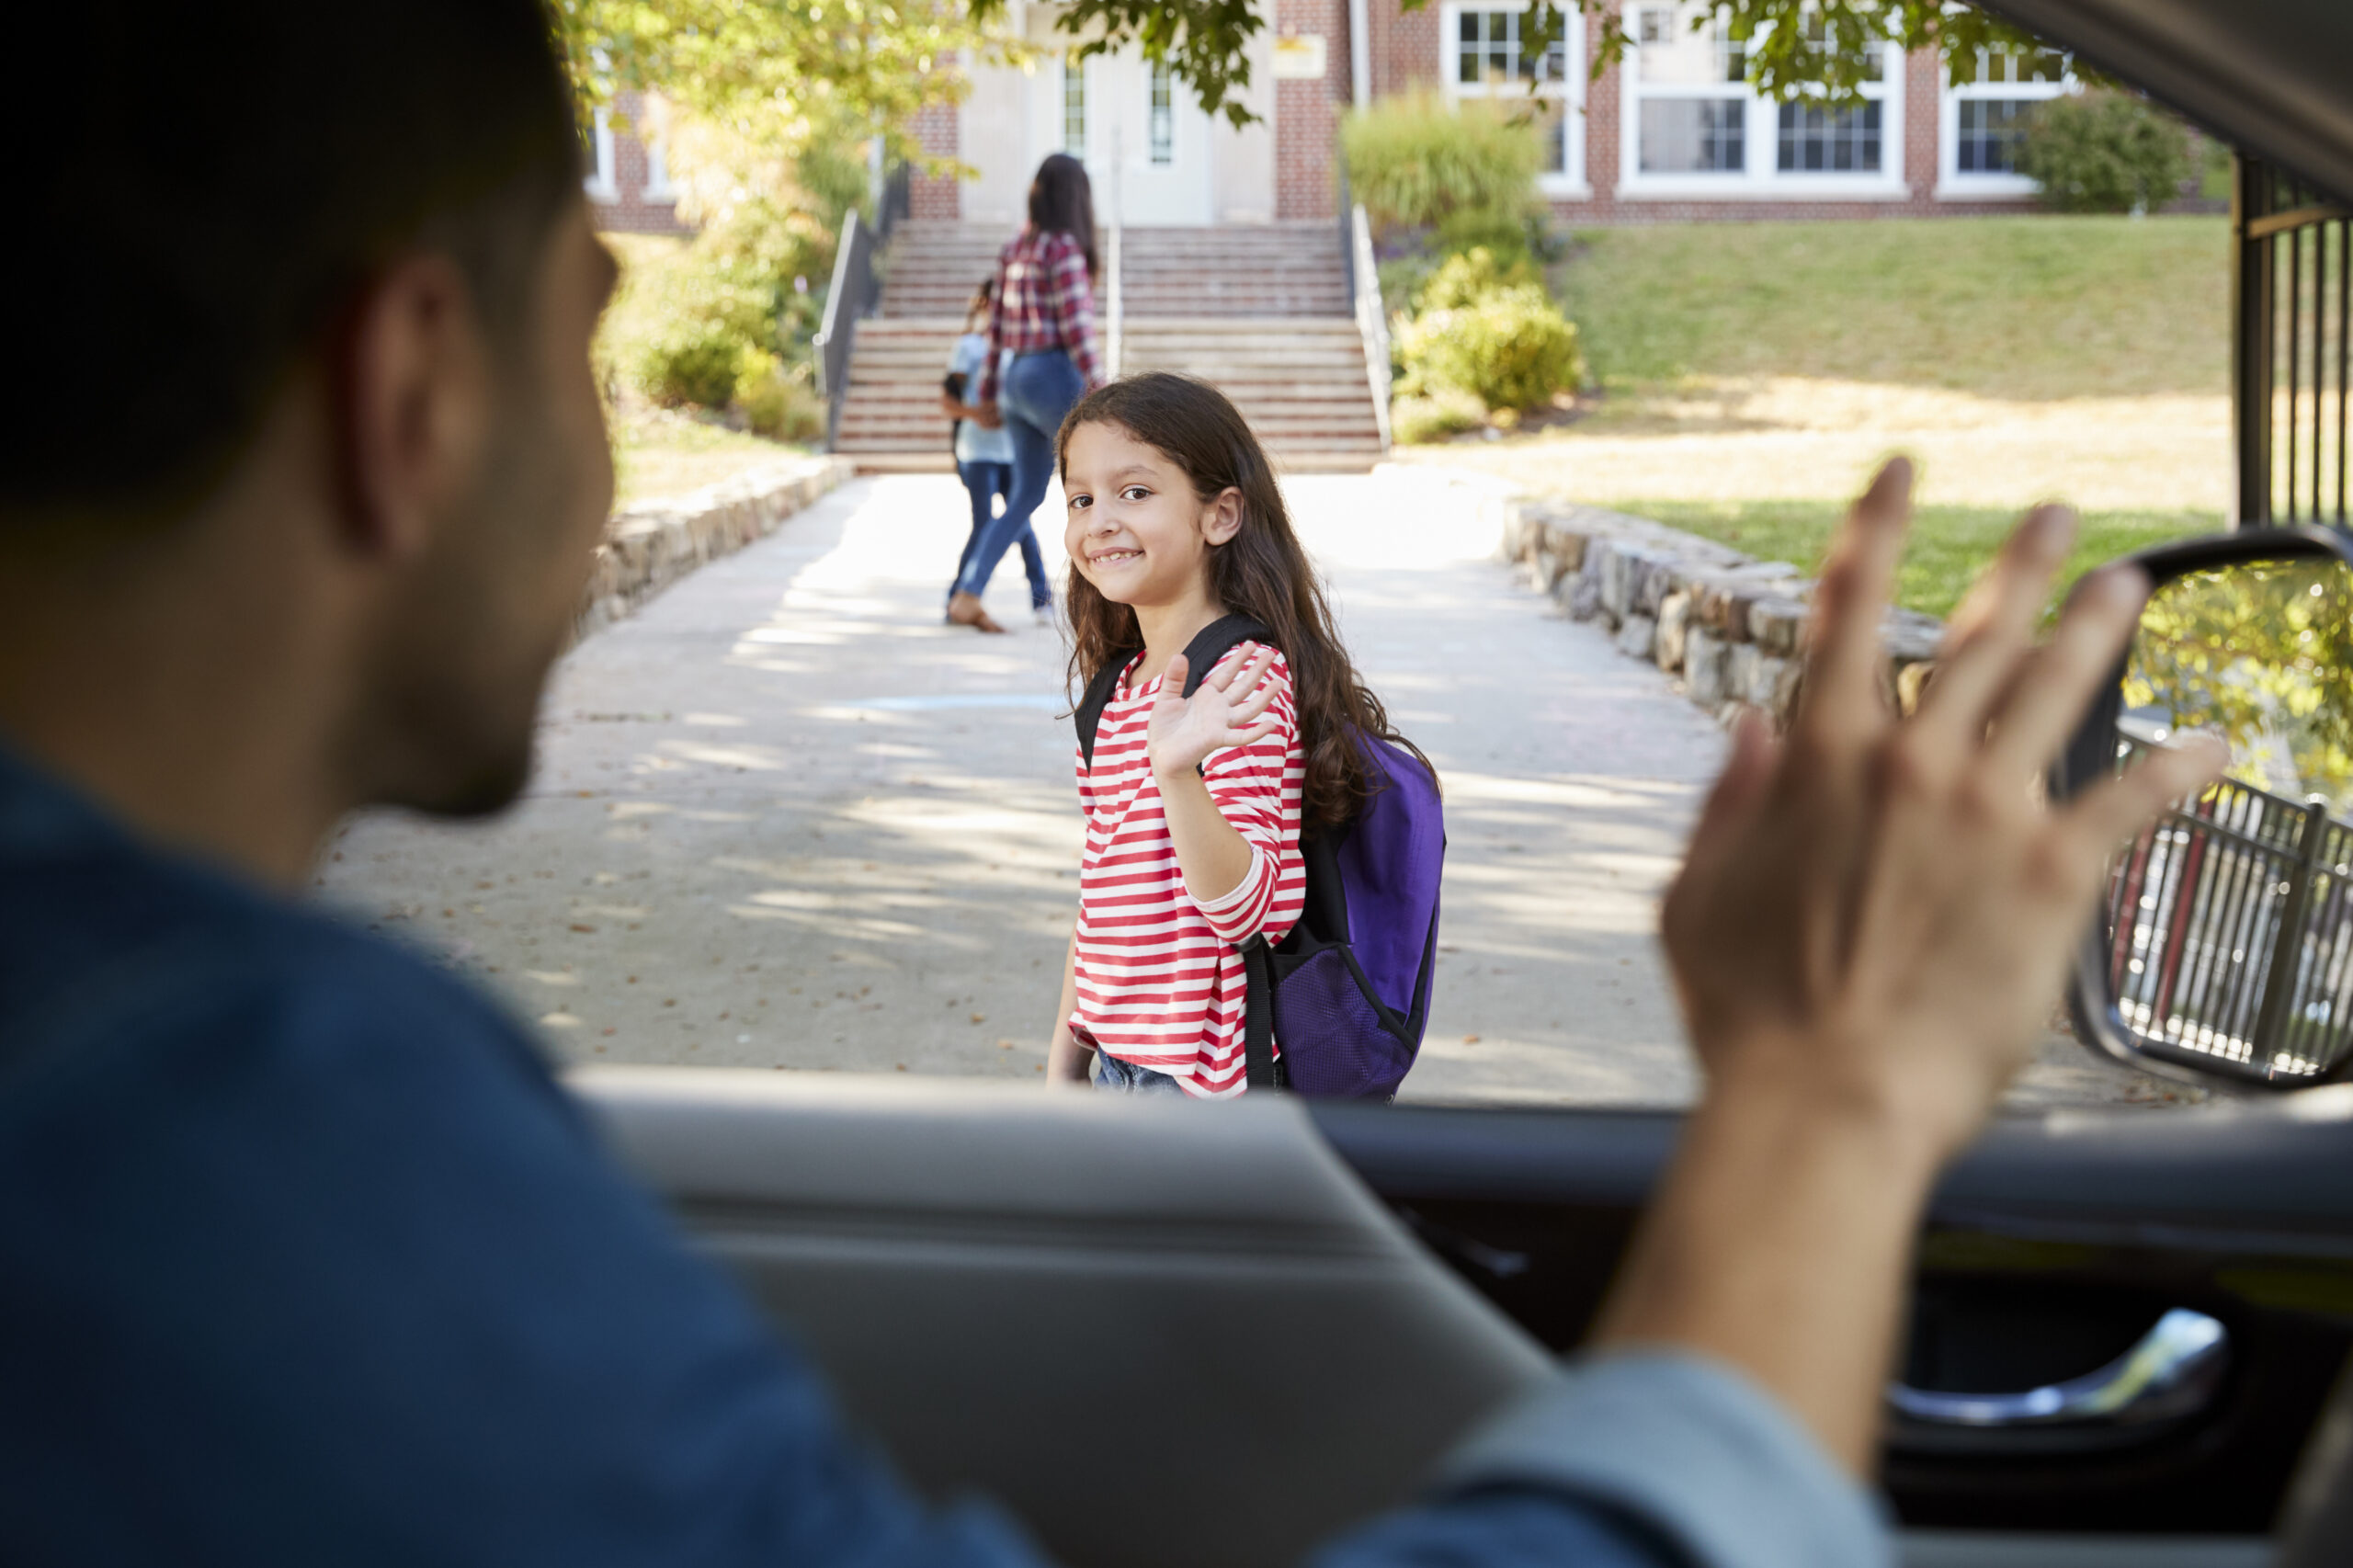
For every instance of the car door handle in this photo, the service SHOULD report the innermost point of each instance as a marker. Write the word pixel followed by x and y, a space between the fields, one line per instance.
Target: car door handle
pixel 2172 1372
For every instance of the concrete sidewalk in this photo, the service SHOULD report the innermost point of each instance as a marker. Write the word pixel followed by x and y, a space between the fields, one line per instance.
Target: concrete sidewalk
pixel 786 818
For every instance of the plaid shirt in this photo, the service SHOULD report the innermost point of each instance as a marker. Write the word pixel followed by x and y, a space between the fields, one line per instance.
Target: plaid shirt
pixel 1044 299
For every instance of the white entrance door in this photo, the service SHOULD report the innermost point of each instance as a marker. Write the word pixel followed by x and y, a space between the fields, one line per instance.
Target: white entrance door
pixel 1146 139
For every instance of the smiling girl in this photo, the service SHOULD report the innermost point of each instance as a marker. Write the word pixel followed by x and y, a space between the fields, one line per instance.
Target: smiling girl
pixel 1195 804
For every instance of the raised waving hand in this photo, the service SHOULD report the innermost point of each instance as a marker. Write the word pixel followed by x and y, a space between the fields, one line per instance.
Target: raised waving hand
pixel 1228 710
pixel 1874 919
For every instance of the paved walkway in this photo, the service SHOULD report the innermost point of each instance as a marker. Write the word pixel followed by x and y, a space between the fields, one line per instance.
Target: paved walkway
pixel 785 818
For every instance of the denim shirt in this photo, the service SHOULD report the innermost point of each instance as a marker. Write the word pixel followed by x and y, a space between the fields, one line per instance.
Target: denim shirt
pixel 306 1257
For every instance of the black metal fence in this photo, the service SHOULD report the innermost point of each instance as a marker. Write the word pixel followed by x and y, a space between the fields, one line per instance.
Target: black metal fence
pixel 2291 278
pixel 2231 935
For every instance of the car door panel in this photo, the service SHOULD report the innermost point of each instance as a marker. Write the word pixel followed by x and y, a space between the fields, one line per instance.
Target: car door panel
pixel 2050 1248
pixel 1079 1303
pixel 1037 1294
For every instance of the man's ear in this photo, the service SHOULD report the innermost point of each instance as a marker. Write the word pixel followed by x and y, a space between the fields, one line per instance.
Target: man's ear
pixel 1223 518
pixel 413 404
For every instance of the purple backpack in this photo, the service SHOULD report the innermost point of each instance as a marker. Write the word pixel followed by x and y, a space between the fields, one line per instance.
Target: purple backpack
pixel 1348 990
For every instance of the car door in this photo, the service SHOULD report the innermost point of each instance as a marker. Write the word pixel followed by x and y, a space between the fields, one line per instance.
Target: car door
pixel 1296 1308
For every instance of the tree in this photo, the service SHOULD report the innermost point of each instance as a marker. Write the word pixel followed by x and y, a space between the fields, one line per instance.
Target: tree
pixel 776 73
pixel 761 66
pixel 2261 654
pixel 1792 47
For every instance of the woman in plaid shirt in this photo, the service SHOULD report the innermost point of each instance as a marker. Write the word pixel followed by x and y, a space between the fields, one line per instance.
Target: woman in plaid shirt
pixel 1045 317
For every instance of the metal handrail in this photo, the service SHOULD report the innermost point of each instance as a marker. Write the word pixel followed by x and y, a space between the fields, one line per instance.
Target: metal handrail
pixel 1373 320
pixel 849 296
pixel 2232 931
pixel 1114 305
pixel 2291 366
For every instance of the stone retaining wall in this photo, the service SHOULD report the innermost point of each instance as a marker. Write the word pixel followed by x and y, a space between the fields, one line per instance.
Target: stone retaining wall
pixel 650 546
pixel 1730 626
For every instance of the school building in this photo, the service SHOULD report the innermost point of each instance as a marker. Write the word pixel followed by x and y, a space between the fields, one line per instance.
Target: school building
pixel 1670 132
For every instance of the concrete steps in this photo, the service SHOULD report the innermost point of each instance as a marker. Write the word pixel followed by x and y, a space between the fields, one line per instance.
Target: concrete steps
pixel 1262 313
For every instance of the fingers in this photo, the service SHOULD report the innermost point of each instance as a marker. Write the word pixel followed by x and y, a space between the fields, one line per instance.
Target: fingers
pixel 2113 812
pixel 1247 674
pixel 1255 704
pixel 1739 787
pixel 1256 733
pixel 1842 696
pixel 2041 711
pixel 1992 630
pixel 1171 679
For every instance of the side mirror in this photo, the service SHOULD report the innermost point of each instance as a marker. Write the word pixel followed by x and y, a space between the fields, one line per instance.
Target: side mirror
pixel 2225 946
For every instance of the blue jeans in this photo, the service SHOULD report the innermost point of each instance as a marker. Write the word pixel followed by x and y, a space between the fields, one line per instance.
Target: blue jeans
pixel 1110 1073
pixel 984 482
pixel 1038 390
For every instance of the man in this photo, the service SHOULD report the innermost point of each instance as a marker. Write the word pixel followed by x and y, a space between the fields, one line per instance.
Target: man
pixel 304 1258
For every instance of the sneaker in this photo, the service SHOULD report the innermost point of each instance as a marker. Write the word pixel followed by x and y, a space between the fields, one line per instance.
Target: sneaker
pixel 1044 615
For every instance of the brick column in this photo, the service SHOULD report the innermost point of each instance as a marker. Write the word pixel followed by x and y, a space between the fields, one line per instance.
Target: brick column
pixel 1307 114
pixel 1924 74
pixel 936 130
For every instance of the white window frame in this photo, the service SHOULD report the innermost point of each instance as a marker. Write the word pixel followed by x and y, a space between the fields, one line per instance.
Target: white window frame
pixel 600 183
pixel 1571 182
pixel 654 137
pixel 1759 179
pixel 1953 183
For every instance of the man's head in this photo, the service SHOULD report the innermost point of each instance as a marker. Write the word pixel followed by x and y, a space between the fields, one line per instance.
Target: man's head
pixel 332 264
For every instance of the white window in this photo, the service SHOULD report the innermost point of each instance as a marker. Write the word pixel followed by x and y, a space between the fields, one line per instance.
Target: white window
pixel 657 173
pixel 1984 118
pixel 1161 122
pixel 1483 60
pixel 1690 127
pixel 1074 106
pixel 597 150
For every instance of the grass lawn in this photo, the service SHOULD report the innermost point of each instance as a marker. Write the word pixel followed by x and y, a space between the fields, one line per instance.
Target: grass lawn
pixel 1752 376
pixel 2032 308
pixel 663 452
pixel 1947 546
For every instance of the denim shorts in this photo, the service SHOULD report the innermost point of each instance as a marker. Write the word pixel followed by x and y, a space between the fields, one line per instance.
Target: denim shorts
pixel 1111 1073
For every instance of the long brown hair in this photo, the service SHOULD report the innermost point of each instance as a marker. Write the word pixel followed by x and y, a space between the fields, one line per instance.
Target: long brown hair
pixel 1062 200
pixel 1262 572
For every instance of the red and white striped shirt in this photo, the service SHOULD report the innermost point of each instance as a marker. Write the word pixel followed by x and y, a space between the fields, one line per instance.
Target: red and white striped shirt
pixel 1159 982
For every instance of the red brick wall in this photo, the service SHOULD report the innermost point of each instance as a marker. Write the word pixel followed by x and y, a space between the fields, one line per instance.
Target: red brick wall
pixel 633 214
pixel 935 132
pixel 1406 51
pixel 1307 114
pixel 1404 46
pixel 1921 117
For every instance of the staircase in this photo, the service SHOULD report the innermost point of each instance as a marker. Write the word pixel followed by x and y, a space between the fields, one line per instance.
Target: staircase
pixel 1260 312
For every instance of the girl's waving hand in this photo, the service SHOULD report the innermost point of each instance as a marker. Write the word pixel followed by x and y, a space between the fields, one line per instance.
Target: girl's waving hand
pixel 1228 710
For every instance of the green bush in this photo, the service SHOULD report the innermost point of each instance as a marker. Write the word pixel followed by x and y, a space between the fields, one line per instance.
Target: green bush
pixel 2105 153
pixel 1446 412
pixel 684 317
pixel 1417 162
pixel 1464 280
pixel 1489 330
pixel 775 402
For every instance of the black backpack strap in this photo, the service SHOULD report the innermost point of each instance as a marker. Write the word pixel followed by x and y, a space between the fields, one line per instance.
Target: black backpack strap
pixel 1216 640
pixel 1261 1070
pixel 1089 713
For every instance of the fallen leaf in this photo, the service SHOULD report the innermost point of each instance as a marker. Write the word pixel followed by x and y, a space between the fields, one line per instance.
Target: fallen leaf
pixel 578 927
pixel 1470 1039
pixel 608 1031
pixel 980 1019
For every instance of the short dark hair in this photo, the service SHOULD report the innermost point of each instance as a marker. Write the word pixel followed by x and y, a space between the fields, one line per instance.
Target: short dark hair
pixel 213 188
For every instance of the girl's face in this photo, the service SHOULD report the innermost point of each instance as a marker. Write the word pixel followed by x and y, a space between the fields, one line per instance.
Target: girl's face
pixel 1136 530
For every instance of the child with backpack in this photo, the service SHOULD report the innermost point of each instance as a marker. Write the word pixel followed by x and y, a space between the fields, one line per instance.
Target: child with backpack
pixel 1258 891
pixel 984 457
